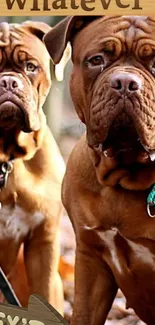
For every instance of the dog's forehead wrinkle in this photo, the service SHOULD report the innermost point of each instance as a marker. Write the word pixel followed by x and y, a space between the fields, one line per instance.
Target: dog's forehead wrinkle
pixel 131 31
pixel 4 34
pixel 8 34
pixel 127 31
pixel 9 39
pixel 138 21
pixel 143 25
pixel 129 37
pixel 123 25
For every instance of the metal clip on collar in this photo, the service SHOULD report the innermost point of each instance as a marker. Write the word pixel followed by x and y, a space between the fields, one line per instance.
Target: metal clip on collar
pixel 151 201
pixel 5 170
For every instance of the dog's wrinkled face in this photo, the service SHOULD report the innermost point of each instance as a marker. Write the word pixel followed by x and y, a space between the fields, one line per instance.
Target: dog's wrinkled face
pixel 24 76
pixel 113 82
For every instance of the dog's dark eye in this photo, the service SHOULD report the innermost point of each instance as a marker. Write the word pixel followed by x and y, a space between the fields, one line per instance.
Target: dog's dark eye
pixel 96 60
pixel 31 67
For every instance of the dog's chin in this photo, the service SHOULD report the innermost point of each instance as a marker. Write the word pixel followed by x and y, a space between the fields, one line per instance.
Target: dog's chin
pixel 11 116
pixel 14 116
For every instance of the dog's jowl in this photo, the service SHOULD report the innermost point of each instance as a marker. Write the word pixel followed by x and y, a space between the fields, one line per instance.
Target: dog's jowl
pixel 31 167
pixel 107 189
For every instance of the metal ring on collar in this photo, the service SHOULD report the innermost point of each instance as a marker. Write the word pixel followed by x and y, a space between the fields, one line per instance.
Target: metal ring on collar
pixel 7 167
pixel 149 212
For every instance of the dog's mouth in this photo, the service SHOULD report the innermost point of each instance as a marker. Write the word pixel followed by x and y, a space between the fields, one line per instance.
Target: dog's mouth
pixel 13 113
pixel 123 144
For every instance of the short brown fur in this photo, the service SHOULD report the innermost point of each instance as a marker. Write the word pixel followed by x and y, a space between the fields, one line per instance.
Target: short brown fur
pixel 31 201
pixel 110 173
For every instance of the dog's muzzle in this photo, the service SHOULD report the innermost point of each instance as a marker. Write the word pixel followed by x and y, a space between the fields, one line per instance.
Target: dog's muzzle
pixel 122 129
pixel 17 106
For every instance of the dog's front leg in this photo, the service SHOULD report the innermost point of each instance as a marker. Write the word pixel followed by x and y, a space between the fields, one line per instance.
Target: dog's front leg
pixel 41 254
pixel 95 289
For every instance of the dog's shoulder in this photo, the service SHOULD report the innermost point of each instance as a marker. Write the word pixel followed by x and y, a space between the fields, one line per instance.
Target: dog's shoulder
pixel 80 174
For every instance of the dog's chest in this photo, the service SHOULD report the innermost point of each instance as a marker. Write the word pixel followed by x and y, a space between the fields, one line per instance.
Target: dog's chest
pixel 16 223
pixel 124 253
pixel 133 265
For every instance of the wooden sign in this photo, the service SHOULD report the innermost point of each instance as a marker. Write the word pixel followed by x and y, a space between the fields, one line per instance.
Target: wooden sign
pixel 39 312
pixel 76 7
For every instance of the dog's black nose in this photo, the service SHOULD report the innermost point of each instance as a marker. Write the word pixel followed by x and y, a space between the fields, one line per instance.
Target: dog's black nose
pixel 125 82
pixel 10 82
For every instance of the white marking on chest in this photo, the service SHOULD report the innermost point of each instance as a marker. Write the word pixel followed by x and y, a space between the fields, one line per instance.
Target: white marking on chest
pixel 142 253
pixel 16 223
pixel 108 237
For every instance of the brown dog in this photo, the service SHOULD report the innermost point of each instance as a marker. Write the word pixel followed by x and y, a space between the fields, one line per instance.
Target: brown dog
pixel 30 199
pixel 111 170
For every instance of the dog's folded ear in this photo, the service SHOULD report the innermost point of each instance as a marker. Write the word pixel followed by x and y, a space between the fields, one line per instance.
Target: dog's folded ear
pixel 58 37
pixel 37 28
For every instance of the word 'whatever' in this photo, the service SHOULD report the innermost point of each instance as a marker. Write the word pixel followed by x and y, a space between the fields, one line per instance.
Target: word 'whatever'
pixel 39 312
pixel 86 5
